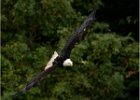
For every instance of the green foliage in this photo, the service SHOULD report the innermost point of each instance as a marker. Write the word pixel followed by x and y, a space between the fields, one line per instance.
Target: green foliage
pixel 105 64
pixel 84 6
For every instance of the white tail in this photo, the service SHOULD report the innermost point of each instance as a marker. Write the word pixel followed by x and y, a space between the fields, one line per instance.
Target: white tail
pixel 50 63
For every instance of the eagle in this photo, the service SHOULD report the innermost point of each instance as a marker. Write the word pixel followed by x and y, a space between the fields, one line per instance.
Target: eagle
pixel 62 60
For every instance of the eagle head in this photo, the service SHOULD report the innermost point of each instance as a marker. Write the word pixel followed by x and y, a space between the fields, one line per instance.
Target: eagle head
pixel 67 63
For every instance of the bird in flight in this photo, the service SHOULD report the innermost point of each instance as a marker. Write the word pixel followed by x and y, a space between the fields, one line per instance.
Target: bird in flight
pixel 64 58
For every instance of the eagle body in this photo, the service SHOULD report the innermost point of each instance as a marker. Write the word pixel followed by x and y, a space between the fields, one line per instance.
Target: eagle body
pixel 66 63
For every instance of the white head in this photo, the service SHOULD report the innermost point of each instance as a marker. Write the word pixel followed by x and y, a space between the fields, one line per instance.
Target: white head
pixel 67 63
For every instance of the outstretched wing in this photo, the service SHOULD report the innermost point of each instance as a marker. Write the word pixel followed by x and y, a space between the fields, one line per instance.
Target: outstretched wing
pixel 77 35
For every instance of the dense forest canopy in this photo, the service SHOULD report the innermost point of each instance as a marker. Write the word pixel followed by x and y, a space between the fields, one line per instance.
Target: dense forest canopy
pixel 106 62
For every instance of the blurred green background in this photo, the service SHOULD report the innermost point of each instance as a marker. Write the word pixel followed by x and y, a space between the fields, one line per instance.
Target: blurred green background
pixel 106 62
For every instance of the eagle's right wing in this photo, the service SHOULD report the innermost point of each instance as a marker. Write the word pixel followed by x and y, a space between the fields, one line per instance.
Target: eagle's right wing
pixel 77 35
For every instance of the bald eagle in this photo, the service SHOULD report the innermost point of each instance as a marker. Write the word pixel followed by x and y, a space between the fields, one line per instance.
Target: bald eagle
pixel 64 58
